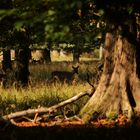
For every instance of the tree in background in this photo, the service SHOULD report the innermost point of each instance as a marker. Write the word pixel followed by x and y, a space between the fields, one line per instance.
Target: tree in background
pixel 76 27
pixel 6 31
pixel 44 22
pixel 25 28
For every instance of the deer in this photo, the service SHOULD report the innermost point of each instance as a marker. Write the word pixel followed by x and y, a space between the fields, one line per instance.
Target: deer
pixel 65 76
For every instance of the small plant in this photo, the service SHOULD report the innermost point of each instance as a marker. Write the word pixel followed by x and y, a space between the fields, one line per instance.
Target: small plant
pixel 112 116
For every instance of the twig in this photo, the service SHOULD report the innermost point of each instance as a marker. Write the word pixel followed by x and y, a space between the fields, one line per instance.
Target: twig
pixel 35 118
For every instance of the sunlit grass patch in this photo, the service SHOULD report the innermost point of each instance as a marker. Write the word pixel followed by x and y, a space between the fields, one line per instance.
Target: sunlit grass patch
pixel 43 93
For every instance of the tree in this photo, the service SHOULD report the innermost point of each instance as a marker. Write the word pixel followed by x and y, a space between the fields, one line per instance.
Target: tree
pixel 6 27
pixel 23 32
pixel 119 85
pixel 47 53
pixel 83 28
pixel 22 58
pixel 76 27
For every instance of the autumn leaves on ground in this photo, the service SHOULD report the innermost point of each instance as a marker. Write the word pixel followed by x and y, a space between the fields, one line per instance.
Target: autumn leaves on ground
pixel 64 122
pixel 117 129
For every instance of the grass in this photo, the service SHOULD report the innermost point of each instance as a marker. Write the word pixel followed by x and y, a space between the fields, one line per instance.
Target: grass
pixel 12 100
pixel 41 93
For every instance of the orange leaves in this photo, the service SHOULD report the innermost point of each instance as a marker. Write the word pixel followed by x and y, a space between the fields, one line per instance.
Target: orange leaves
pixel 62 123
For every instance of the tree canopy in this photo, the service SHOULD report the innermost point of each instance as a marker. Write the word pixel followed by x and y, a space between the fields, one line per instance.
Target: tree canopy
pixel 55 21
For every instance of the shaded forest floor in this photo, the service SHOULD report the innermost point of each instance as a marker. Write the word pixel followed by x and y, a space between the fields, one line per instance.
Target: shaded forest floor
pixel 118 129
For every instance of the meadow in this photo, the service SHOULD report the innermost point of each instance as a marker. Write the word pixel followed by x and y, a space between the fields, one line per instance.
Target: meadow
pixel 42 92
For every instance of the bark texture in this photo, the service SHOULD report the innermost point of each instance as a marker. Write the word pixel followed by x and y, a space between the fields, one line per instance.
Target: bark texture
pixel 22 58
pixel 119 85
pixel 7 68
pixel 22 70
pixel 76 55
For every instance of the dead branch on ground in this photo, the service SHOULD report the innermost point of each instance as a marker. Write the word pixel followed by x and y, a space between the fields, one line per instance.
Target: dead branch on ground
pixel 42 110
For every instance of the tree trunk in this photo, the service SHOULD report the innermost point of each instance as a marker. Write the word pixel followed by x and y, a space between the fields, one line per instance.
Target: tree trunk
pixel 22 70
pixel 22 59
pixel 6 63
pixel 119 85
pixel 46 55
pixel 76 55
pixel 6 67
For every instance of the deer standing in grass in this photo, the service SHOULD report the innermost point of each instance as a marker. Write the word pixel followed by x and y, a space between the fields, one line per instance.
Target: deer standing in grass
pixel 65 76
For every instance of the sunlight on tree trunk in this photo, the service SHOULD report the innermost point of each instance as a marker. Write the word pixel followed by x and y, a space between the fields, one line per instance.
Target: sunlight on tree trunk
pixel 119 85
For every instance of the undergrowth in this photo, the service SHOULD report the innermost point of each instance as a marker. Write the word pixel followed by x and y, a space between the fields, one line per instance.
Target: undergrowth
pixel 43 93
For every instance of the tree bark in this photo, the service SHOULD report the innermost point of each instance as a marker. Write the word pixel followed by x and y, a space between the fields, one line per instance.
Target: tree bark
pixel 76 55
pixel 46 55
pixel 119 85
pixel 22 70
pixel 22 59
pixel 7 68
pixel 6 63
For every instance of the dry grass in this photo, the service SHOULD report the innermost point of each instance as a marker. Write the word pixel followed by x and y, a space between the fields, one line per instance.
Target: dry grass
pixel 43 93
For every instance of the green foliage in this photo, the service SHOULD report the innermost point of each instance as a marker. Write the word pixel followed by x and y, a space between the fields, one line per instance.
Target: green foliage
pixel 53 21
pixel 117 11
pixel 71 22
pixel 5 13
pixel 18 25
pixel 112 116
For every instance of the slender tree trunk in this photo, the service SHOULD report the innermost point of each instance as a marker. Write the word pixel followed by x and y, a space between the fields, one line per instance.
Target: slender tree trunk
pixel 6 67
pixel 30 54
pixel 6 63
pixel 76 55
pixel 47 54
pixel 119 85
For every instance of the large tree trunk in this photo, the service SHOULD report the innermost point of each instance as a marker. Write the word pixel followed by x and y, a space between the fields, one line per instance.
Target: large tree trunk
pixel 22 70
pixel 22 59
pixel 119 85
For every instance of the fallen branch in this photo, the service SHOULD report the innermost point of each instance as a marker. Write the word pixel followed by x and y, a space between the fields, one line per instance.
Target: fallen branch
pixel 51 109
